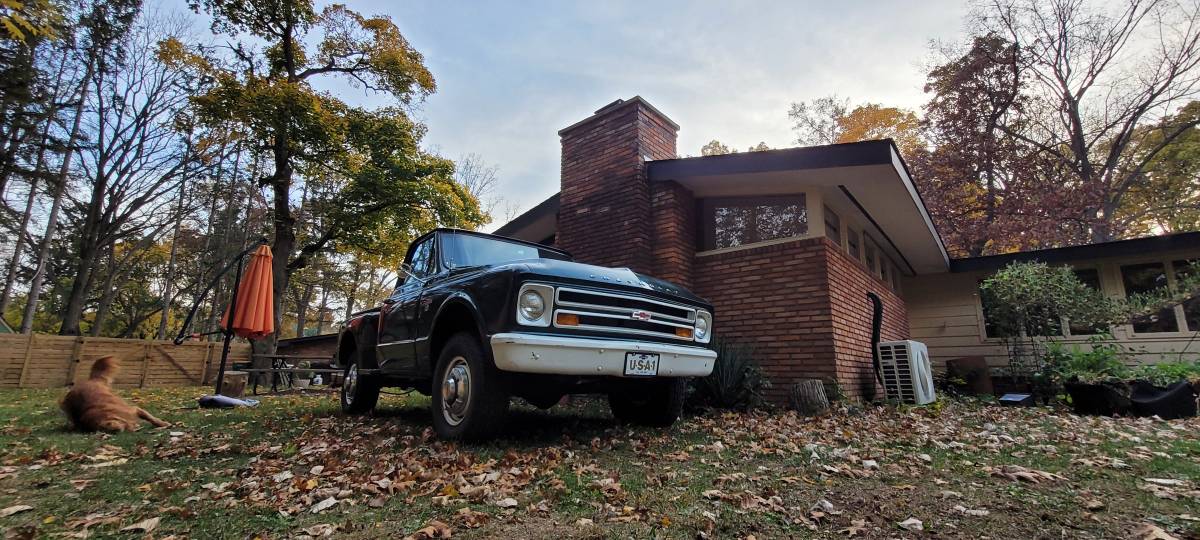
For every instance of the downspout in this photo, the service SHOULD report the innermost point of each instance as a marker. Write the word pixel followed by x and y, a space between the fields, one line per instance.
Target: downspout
pixel 876 326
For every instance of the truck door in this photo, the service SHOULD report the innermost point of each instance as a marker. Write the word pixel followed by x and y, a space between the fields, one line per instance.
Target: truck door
pixel 397 318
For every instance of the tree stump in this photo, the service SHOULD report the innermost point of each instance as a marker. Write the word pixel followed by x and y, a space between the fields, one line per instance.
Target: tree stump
pixel 235 384
pixel 808 397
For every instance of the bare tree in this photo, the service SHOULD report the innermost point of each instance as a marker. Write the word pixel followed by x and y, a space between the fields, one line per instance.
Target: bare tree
pixel 137 154
pixel 480 179
pixel 1096 76
pixel 816 122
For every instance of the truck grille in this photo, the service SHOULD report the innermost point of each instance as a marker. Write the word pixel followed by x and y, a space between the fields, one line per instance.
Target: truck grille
pixel 613 312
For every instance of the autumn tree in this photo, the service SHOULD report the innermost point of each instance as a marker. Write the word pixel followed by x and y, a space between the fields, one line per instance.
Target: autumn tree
pixel 1167 199
pixel 390 186
pixel 969 179
pixel 716 148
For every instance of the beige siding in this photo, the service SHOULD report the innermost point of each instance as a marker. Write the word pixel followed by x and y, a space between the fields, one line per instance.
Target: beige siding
pixel 944 313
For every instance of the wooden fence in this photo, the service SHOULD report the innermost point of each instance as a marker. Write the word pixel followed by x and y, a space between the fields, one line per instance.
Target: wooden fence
pixel 46 361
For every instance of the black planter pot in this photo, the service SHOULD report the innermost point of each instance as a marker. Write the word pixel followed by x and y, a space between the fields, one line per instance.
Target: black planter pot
pixel 1175 401
pixel 1099 399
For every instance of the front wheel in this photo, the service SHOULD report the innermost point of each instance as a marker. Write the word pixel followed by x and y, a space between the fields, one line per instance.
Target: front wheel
pixel 649 403
pixel 360 392
pixel 470 398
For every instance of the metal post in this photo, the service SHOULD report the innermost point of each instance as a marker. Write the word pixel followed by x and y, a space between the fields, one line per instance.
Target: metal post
pixel 237 284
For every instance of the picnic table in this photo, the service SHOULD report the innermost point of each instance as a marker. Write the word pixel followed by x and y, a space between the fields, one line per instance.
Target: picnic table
pixel 283 367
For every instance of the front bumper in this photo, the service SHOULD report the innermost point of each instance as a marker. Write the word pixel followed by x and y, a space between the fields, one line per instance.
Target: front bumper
pixel 563 355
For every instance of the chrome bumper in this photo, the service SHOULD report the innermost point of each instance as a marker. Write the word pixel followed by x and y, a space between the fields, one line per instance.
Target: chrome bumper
pixel 564 355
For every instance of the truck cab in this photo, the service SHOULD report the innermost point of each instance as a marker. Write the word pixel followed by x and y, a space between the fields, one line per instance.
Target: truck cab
pixel 477 319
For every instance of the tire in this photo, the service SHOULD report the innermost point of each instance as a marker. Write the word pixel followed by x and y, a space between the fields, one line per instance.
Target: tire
pixel 470 396
pixel 657 403
pixel 359 392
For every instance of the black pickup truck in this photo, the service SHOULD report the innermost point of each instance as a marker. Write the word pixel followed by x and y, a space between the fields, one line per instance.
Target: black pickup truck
pixel 477 319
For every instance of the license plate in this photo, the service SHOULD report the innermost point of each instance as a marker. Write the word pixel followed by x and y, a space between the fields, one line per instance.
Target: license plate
pixel 641 364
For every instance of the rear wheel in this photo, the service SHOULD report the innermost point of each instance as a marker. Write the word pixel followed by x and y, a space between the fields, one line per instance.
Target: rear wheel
pixel 657 402
pixel 470 397
pixel 360 392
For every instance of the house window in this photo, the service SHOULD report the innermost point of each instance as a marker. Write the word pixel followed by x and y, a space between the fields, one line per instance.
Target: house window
pixel 872 254
pixel 742 221
pixel 833 226
pixel 1191 306
pixel 1091 278
pixel 852 244
pixel 1141 278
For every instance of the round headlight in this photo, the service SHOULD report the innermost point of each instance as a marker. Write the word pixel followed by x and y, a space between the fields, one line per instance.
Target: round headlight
pixel 701 327
pixel 532 305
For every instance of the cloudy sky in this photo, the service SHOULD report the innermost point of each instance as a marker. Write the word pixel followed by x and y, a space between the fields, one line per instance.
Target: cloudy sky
pixel 511 74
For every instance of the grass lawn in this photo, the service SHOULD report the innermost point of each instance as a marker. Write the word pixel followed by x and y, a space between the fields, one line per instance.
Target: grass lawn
pixel 295 467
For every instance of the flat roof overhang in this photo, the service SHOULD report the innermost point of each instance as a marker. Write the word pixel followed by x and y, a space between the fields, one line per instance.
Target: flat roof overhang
pixel 871 174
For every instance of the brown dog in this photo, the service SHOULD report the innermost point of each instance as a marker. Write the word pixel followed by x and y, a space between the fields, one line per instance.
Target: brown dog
pixel 92 406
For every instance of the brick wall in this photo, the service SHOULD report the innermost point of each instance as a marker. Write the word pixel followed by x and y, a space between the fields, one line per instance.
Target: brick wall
pixel 777 300
pixel 849 282
pixel 674 232
pixel 604 212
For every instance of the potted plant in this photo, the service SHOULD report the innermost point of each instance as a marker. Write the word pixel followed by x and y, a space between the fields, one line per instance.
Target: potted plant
pixel 1166 389
pixel 301 378
pixel 1095 377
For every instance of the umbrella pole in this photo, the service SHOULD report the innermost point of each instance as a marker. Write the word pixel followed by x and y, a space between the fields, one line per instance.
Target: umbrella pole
pixel 237 282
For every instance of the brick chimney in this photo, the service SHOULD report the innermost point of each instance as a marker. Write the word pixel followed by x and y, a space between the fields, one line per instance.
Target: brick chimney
pixel 604 213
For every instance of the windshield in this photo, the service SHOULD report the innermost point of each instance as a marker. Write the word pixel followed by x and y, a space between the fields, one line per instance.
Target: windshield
pixel 470 250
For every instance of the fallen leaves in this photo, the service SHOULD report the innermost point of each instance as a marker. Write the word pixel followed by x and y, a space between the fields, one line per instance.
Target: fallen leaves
pixel 434 529
pixel 1019 473
pixel 912 524
pixel 324 505
pixel 15 509
pixel 1150 531
pixel 143 526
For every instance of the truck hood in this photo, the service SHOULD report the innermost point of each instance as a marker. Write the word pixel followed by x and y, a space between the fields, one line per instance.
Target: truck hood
pixel 607 278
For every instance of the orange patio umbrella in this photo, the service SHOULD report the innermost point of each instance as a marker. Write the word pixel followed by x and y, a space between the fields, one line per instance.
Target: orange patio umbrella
pixel 253 312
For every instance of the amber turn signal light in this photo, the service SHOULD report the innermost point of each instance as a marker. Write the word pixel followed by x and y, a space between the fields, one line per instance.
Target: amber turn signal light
pixel 685 333
pixel 567 319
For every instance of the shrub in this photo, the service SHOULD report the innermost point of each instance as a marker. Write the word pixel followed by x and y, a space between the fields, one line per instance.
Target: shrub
pixel 736 381
pixel 1102 362
pixel 1168 373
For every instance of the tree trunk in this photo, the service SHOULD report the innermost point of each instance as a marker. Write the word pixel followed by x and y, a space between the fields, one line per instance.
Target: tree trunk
pixel 322 308
pixel 350 295
pixel 89 238
pixel 109 292
pixel 165 301
pixel 81 284
pixel 39 274
pixel 15 263
pixel 808 397
pixel 302 309
pixel 23 228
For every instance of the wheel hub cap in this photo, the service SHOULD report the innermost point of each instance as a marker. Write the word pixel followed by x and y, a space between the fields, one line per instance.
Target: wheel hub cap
pixel 456 391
